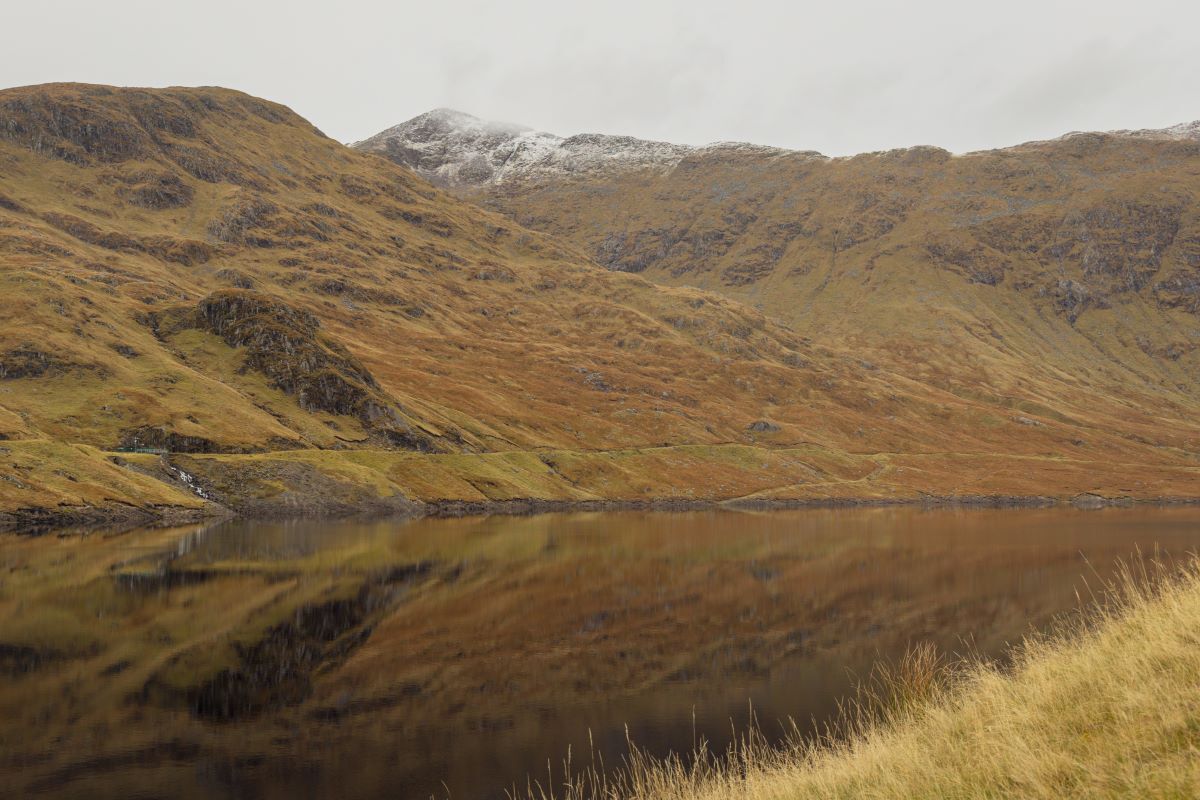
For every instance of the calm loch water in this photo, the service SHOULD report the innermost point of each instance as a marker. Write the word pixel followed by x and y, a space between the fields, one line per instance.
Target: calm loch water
pixel 456 657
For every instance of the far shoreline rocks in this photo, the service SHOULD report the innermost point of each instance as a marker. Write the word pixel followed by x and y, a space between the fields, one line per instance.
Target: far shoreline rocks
pixel 40 521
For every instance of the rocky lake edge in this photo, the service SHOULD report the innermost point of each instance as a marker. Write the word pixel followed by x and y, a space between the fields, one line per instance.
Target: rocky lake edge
pixel 40 520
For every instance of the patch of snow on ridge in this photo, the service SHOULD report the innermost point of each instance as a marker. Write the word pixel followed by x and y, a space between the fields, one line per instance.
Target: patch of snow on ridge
pixel 457 149
pixel 1183 131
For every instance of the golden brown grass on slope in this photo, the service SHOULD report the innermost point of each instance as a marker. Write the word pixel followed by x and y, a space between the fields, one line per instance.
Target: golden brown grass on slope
pixel 1110 707
pixel 485 335
pixel 1060 275
pixel 37 471
pixel 200 270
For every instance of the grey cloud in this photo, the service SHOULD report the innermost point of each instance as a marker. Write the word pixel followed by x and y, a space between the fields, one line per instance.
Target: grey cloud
pixel 840 78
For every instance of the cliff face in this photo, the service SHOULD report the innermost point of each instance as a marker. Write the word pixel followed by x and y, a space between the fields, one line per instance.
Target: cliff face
pixel 204 272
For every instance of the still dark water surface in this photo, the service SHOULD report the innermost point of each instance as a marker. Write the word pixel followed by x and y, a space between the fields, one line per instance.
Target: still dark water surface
pixel 456 657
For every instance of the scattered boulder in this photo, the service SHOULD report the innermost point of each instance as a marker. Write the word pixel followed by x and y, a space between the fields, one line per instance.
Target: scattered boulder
pixel 762 426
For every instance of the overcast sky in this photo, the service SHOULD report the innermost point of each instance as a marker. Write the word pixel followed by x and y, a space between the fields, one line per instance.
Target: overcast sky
pixel 841 77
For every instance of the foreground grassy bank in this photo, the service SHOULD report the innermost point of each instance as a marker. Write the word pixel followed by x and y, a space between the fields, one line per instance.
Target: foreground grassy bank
pixel 1108 708
pixel 46 482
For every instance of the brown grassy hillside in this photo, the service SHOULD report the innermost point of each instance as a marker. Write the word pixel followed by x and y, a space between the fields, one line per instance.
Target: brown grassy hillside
pixel 1058 278
pixel 203 272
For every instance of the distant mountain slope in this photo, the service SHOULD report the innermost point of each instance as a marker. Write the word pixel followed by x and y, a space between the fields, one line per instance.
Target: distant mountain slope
pixel 1063 274
pixel 304 327
pixel 455 149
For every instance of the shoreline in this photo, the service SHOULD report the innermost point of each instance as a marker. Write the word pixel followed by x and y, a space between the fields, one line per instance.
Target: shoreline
pixel 40 520
pixel 62 485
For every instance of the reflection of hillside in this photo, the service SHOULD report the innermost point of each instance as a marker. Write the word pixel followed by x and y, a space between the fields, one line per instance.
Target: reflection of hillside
pixel 476 647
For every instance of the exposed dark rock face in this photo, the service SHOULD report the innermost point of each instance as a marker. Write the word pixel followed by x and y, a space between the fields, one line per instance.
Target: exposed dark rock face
pixel 22 659
pixel 157 191
pixel 1118 245
pixel 1181 290
pixel 87 125
pixel 1072 298
pixel 762 426
pixel 208 166
pixel 235 278
pixel 8 204
pixel 180 251
pixel 969 259
pixel 238 223
pixel 27 361
pixel 70 131
pixel 159 438
pixel 285 344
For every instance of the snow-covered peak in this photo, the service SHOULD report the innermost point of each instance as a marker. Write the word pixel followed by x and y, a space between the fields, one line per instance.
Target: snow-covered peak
pixel 1184 130
pixel 453 148
pixel 456 149
pixel 1181 132
pixel 449 120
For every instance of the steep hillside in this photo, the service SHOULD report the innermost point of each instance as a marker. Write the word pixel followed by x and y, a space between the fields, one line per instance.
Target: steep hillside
pixel 303 326
pixel 1061 277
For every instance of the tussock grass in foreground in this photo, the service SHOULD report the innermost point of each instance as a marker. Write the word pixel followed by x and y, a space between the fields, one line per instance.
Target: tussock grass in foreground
pixel 1106 706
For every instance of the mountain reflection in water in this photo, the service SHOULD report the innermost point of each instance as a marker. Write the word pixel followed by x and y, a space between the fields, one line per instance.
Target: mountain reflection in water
pixel 418 658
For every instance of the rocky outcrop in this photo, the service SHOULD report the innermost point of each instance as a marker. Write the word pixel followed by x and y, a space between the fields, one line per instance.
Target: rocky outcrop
pixel 156 191
pixel 188 252
pixel 88 125
pixel 27 361
pixel 149 437
pixel 285 343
